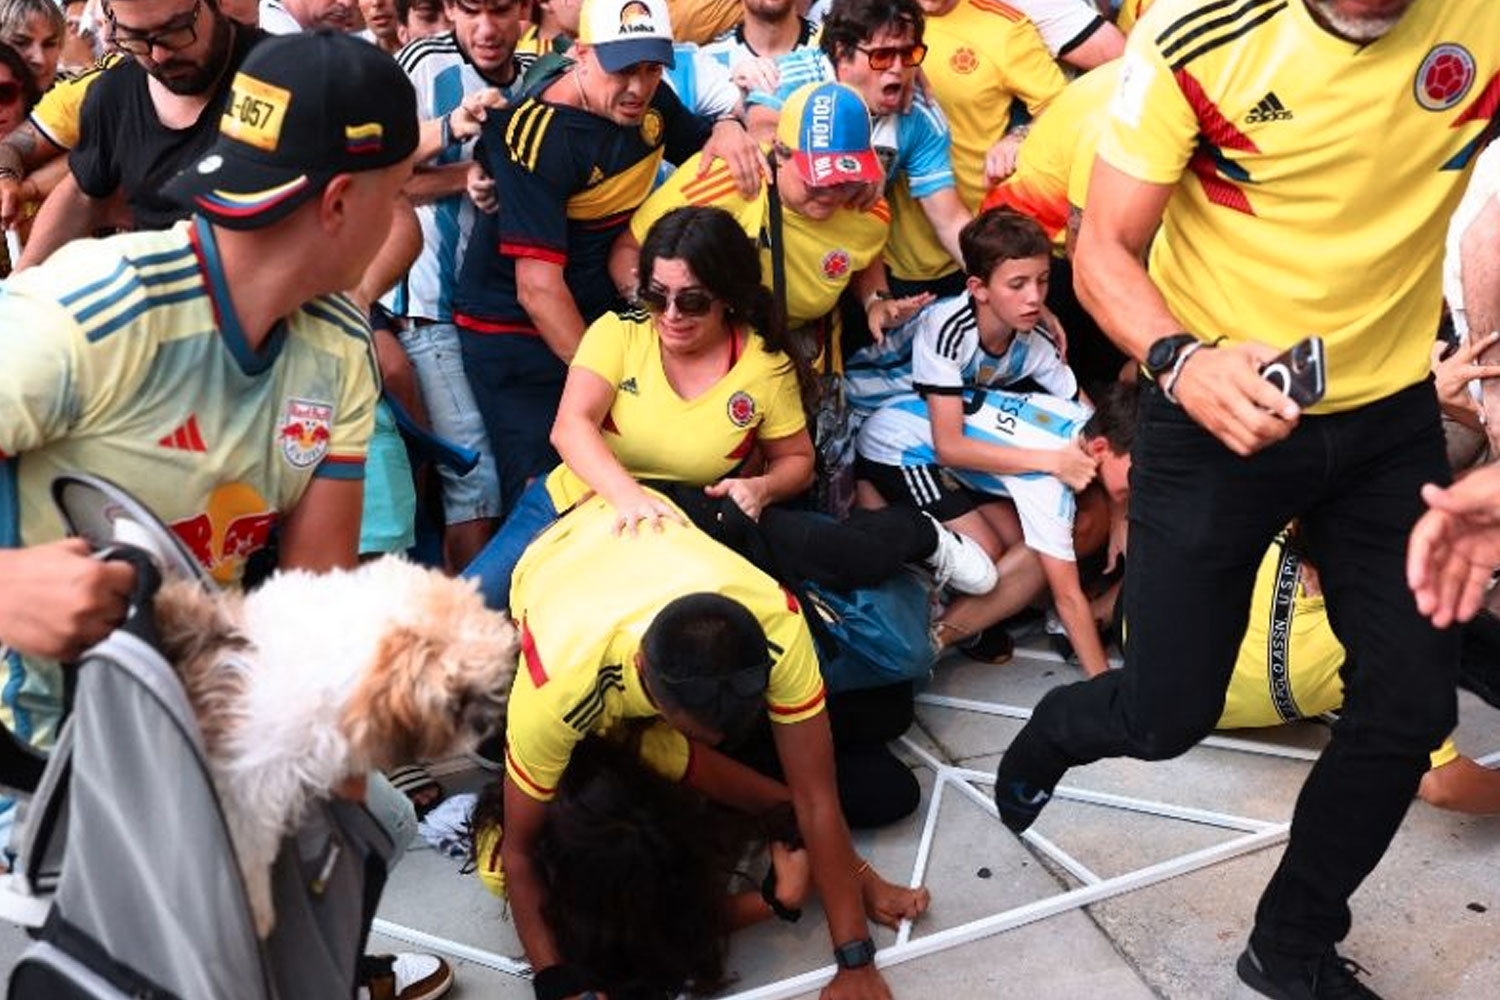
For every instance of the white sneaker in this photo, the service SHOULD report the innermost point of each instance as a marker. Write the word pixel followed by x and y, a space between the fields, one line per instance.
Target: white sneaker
pixel 960 563
pixel 412 976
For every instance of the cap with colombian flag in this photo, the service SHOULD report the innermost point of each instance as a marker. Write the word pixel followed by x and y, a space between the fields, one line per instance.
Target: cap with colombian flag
pixel 302 108
pixel 827 129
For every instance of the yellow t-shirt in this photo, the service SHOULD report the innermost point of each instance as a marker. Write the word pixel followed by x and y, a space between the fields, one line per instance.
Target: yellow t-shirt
pixel 981 56
pixel 1130 12
pixel 56 114
pixel 655 433
pixel 1289 661
pixel 1057 157
pixel 701 21
pixel 1314 177
pixel 820 257
pixel 584 596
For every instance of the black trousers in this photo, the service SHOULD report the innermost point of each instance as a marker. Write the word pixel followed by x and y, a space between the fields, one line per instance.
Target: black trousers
pixel 1201 519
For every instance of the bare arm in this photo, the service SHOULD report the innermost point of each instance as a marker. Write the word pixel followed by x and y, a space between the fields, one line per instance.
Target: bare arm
pixel 624 257
pixel 545 296
pixel 948 214
pixel 429 184
pixel 523 885
pixel 1106 43
pixel 1220 388
pixel 67 214
pixel 789 471
pixel 322 531
pixel 22 152
pixel 57 600
pixel 1463 786
pixel 402 247
pixel 1076 614
pixel 1479 270
pixel 730 783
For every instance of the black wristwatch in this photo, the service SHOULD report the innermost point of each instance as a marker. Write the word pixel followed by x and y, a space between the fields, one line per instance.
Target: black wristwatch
pixel 855 954
pixel 1162 354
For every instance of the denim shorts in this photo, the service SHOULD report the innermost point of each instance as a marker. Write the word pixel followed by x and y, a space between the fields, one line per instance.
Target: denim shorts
pixel 436 357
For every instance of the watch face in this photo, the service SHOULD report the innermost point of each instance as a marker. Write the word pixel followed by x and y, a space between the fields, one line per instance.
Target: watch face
pixel 1162 353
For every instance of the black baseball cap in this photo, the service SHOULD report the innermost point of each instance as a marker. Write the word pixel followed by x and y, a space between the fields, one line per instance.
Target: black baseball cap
pixel 302 108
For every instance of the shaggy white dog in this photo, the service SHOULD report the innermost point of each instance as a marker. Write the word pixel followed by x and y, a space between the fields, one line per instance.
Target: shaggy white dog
pixel 314 679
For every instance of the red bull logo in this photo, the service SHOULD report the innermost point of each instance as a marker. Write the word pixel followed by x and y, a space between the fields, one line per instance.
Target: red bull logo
pixel 235 523
pixel 306 428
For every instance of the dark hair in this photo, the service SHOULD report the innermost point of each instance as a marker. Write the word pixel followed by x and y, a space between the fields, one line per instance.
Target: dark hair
pixel 714 245
pixel 851 23
pixel 707 656
pixel 1114 419
pixel 636 869
pixel 13 61
pixel 999 235
pixel 405 7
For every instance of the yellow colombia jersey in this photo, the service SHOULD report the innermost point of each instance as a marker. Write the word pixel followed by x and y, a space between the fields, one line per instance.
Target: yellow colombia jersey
pixel 1130 12
pixel 655 433
pixel 982 56
pixel 1057 157
pixel 583 597
pixel 1314 177
pixel 56 114
pixel 821 257
pixel 1289 661
pixel 122 358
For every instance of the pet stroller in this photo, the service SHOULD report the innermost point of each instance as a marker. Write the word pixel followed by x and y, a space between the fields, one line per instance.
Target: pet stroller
pixel 127 874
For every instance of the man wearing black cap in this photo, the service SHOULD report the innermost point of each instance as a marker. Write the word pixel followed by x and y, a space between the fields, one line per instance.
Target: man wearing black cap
pixel 145 118
pixel 212 369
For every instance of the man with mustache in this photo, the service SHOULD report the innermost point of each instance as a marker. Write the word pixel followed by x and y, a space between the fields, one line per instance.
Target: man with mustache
pixel 146 118
pixel 1241 152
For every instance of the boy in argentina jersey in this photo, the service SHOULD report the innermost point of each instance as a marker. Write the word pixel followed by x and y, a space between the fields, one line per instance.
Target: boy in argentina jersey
pixel 961 341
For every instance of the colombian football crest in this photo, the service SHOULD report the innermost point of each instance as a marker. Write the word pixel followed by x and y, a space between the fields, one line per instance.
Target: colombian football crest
pixel 305 429
pixel 741 409
pixel 1444 77
pixel 835 264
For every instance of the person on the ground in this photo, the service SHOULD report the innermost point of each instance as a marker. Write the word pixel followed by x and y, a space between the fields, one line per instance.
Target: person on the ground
pixel 145 119
pixel 1288 668
pixel 706 642
pixel 35 29
pixel 571 163
pixel 1207 143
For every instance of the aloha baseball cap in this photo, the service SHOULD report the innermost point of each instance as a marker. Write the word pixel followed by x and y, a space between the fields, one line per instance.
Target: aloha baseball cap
pixel 626 32
pixel 302 108
pixel 827 128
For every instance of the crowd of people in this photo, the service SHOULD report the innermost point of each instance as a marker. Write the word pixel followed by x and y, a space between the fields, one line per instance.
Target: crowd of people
pixel 669 321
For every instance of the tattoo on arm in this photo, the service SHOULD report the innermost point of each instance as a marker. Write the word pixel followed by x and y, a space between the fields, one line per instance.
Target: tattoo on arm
pixel 19 149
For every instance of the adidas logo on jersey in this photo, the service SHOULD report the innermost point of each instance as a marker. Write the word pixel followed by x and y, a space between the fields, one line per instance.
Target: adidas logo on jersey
pixel 1270 109
pixel 185 437
pixel 629 386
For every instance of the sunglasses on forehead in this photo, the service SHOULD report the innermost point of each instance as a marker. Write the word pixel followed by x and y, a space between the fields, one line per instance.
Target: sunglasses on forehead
pixel 10 92
pixel 695 692
pixel 885 57
pixel 690 301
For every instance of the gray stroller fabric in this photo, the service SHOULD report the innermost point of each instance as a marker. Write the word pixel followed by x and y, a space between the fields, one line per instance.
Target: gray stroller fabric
pixel 148 895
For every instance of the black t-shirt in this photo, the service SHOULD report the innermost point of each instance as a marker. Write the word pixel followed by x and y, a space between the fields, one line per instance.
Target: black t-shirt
pixel 122 144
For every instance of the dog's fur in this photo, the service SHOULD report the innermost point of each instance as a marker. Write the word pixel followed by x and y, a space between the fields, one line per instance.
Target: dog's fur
pixel 315 679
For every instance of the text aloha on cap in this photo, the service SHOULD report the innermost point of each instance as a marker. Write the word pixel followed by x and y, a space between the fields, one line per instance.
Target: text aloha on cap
pixel 827 128
pixel 626 32
pixel 302 108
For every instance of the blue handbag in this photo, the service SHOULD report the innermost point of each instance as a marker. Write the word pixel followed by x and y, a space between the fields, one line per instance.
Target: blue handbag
pixel 880 634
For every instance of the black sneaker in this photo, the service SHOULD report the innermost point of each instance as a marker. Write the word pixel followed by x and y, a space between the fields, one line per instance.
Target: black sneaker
pixel 1330 976
pixel 991 645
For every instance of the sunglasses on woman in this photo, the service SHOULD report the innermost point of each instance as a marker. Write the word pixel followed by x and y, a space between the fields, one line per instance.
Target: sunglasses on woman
pixel 10 92
pixel 885 57
pixel 690 301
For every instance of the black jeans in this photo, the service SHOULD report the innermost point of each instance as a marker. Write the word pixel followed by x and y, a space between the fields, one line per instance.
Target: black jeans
pixel 1201 519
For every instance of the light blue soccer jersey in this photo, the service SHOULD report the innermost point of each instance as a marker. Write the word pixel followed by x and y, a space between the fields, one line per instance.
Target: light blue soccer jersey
pixel 900 434
pixel 702 82
pixel 939 351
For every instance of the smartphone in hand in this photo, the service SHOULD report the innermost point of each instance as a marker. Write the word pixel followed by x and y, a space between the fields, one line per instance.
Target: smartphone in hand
pixel 1298 372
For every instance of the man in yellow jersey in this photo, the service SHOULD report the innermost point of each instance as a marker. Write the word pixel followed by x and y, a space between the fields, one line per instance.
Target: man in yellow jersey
pixel 1245 141
pixel 1051 184
pixel 984 57
pixel 703 640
